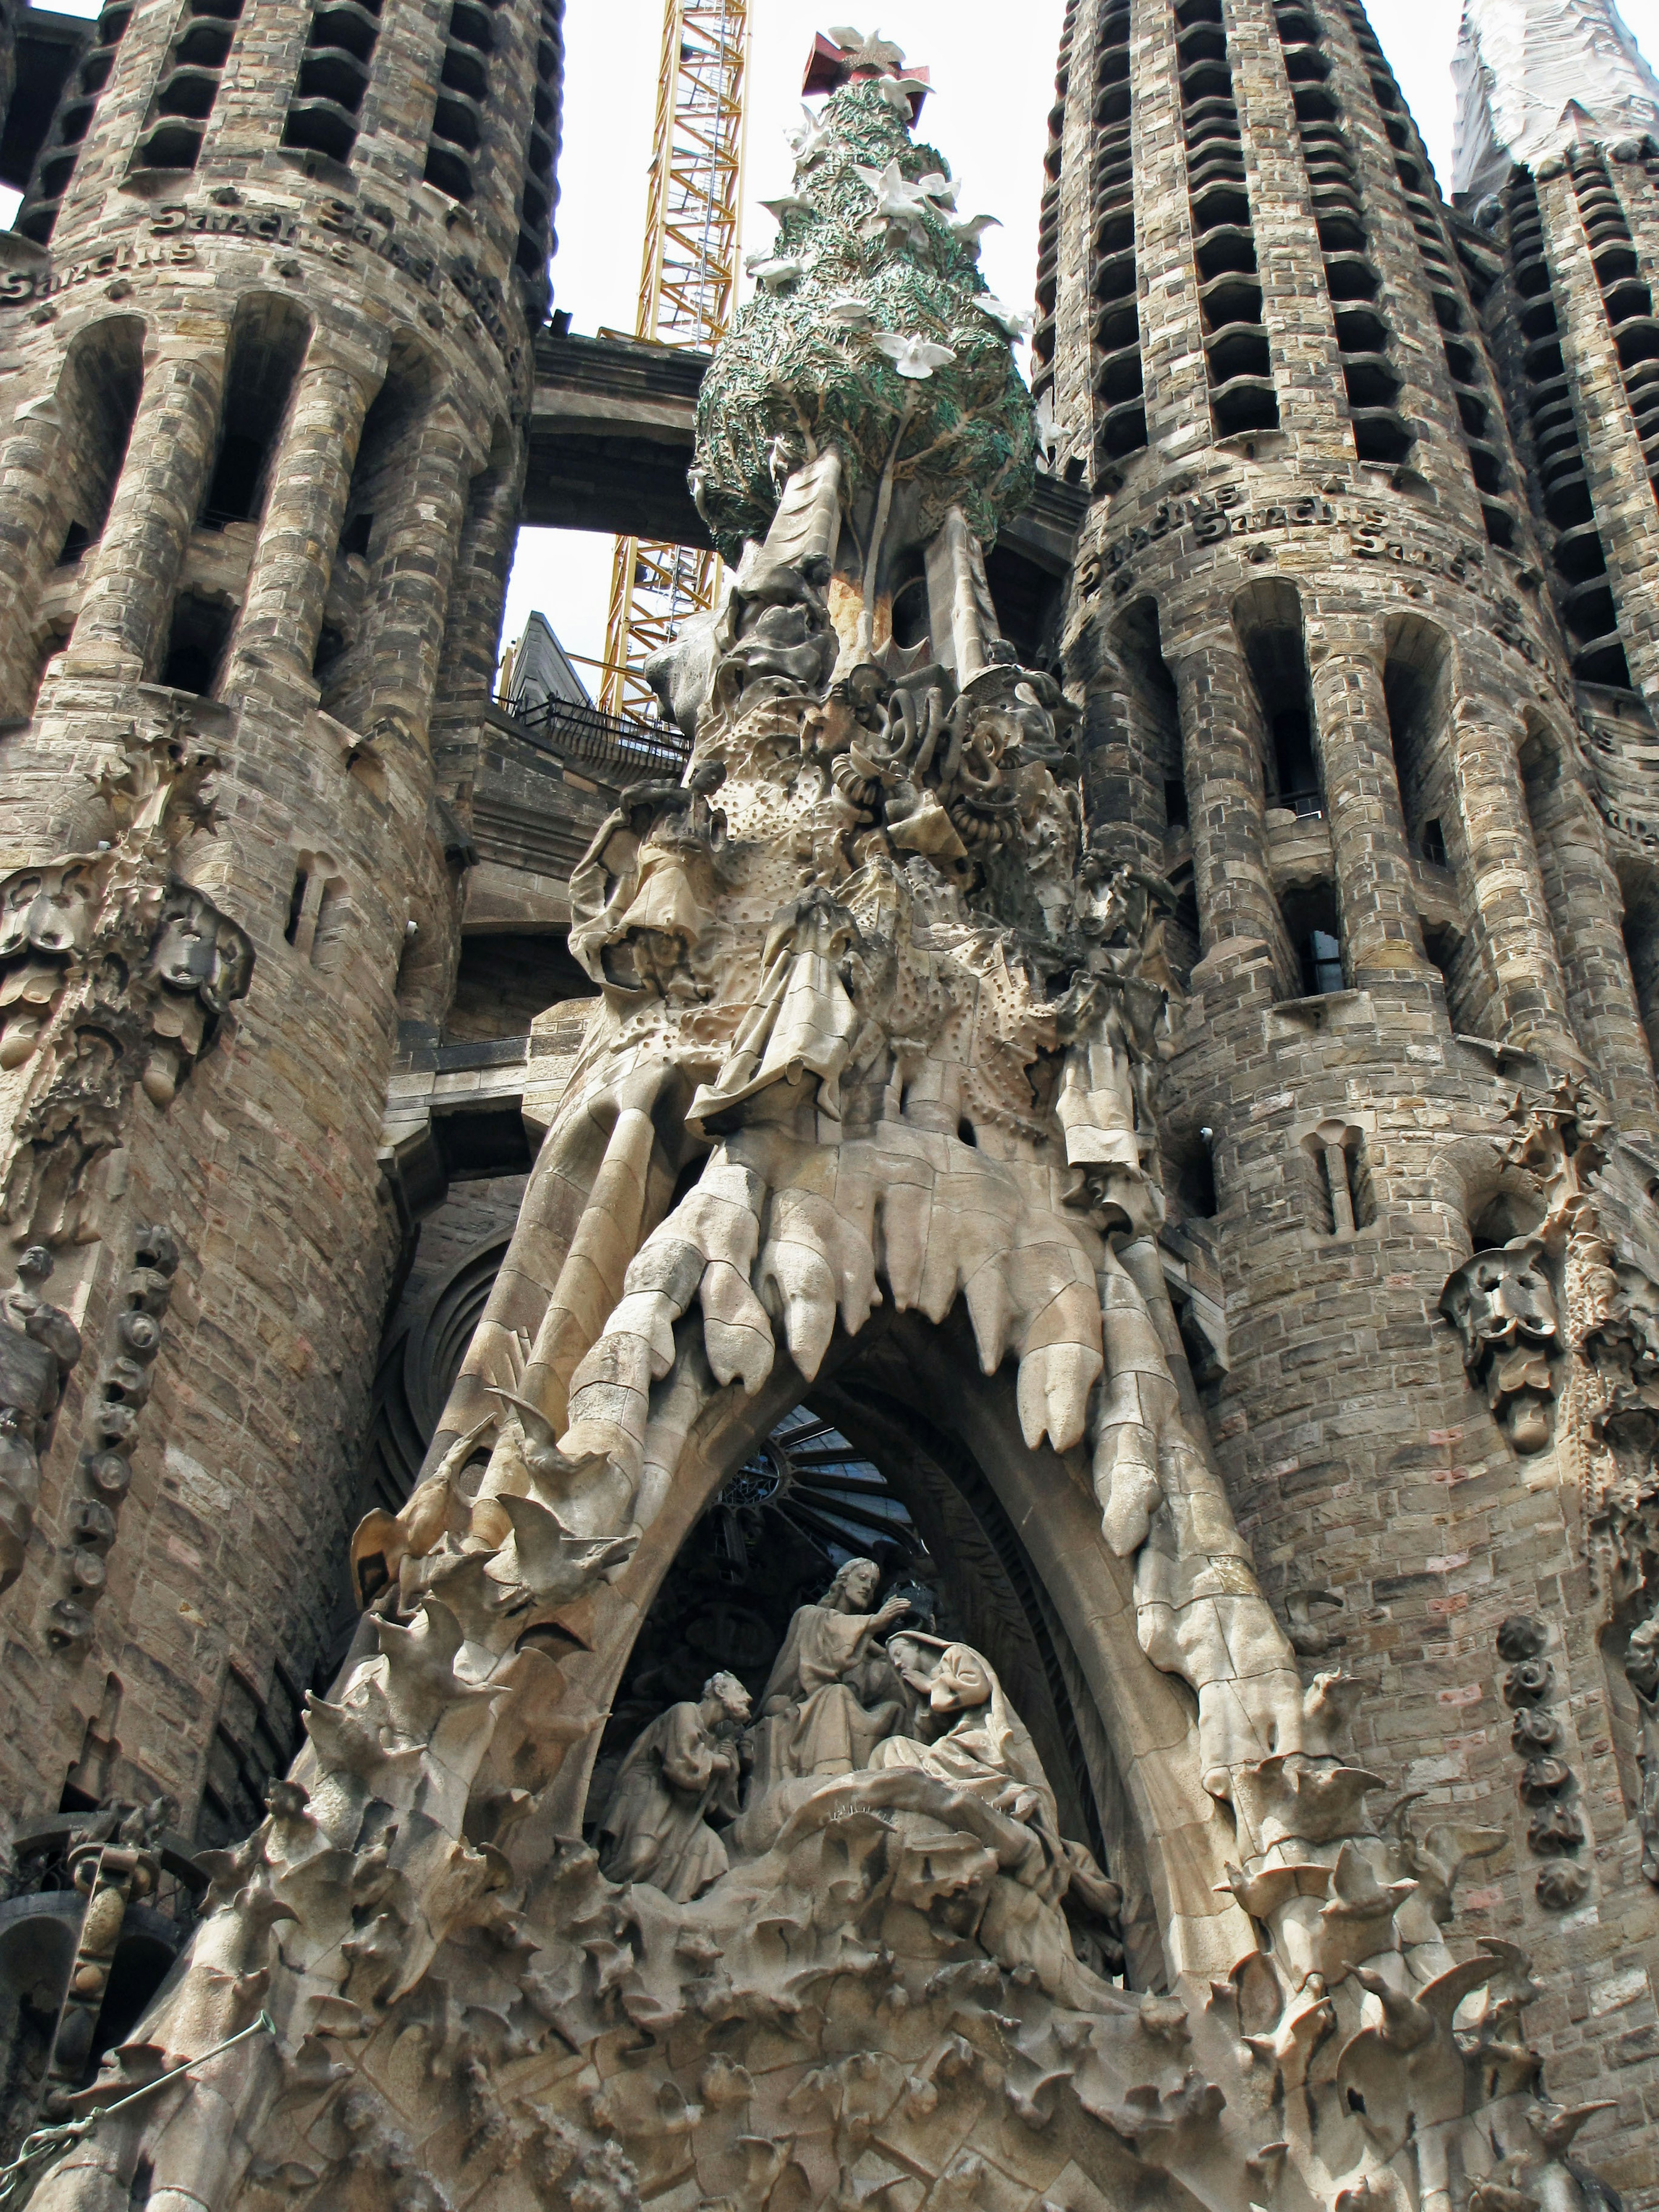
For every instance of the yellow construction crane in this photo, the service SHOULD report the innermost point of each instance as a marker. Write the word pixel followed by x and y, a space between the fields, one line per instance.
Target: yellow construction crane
pixel 688 288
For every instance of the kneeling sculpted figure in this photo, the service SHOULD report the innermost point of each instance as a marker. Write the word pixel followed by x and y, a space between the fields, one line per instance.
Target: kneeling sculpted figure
pixel 683 1768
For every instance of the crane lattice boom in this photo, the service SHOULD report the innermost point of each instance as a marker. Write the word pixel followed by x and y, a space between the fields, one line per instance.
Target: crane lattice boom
pixel 687 286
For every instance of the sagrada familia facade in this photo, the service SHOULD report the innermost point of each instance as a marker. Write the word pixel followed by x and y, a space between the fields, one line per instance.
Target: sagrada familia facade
pixel 896 1445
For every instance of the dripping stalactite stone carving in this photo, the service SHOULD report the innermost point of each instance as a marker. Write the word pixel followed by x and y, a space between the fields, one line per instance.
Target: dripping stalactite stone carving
pixel 873 1071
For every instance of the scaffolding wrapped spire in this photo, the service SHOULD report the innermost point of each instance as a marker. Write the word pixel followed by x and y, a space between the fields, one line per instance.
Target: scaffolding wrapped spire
pixel 1532 76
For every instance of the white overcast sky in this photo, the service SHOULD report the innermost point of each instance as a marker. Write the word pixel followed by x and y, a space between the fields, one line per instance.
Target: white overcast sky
pixel 993 68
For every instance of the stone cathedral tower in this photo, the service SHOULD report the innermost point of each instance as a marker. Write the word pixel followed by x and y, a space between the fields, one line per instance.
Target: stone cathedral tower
pixel 1363 622
pixel 265 322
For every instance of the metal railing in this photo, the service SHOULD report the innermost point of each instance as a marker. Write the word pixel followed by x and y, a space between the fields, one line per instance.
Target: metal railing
pixel 1306 806
pixel 621 746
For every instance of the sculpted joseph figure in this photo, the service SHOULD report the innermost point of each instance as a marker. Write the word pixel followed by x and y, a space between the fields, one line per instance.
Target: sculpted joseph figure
pixel 840 1690
pixel 683 1768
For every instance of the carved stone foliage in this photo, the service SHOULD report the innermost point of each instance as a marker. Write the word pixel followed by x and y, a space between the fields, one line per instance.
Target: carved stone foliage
pixel 112 972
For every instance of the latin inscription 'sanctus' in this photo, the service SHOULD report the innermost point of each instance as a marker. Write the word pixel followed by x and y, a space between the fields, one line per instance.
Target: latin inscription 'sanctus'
pixel 333 230
pixel 1215 517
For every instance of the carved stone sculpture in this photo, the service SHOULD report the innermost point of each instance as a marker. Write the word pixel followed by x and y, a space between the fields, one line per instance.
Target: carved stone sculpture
pixel 1503 1306
pixel 39 1345
pixel 683 1768
pixel 112 972
pixel 831 1695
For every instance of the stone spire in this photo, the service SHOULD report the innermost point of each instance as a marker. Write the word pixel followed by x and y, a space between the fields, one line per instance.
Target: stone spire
pixel 1532 76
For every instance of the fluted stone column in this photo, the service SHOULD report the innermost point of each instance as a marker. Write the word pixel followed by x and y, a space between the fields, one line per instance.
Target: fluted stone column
pixel 29 464
pixel 122 630
pixel 1587 906
pixel 1222 755
pixel 1511 914
pixel 1375 892
pixel 288 582
pixel 394 663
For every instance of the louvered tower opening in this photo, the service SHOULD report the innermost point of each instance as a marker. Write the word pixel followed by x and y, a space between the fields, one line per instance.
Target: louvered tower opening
pixel 1114 289
pixel 1363 332
pixel 326 109
pixel 458 120
pixel 1578 557
pixel 1626 299
pixel 1047 275
pixel 189 88
pixel 540 189
pixel 1466 360
pixel 1235 353
pixel 61 154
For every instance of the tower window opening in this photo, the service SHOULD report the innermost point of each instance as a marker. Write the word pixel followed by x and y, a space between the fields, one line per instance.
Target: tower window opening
pixel 1312 925
pixel 1345 1197
pixel 98 391
pixel 1293 761
pixel 1414 692
pixel 1135 770
pixel 267 344
pixel 1267 618
pixel 1322 962
pixel 296 903
pixel 196 646
pixel 381 506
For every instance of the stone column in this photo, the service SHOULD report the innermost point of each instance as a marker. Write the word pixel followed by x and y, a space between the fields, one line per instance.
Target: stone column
pixel 396 658
pixel 122 630
pixel 1510 911
pixel 1587 908
pixel 29 507
pixel 1222 758
pixel 478 597
pixel 1374 887
pixel 288 582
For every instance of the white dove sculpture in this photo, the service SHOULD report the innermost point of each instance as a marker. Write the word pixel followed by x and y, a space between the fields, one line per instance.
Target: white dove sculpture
pixel 1014 320
pixel 774 271
pixel 912 357
pixel 968 229
pixel 897 200
pixel 900 93
pixel 807 138
pixel 847 313
pixel 1048 431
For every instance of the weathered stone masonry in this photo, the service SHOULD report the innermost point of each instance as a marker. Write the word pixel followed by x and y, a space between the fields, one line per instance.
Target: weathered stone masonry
pixel 1328 686
pixel 264 366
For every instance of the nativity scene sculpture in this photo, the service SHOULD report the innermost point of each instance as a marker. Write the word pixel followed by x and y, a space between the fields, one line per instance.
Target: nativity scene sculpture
pixel 875 1050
